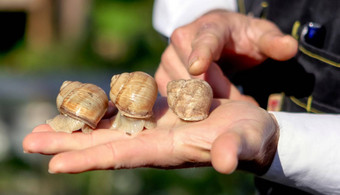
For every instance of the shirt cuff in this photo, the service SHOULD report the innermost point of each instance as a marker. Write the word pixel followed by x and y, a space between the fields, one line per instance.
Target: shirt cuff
pixel 171 14
pixel 308 152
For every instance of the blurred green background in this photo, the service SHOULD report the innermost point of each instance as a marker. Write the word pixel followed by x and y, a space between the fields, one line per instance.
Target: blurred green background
pixel 43 43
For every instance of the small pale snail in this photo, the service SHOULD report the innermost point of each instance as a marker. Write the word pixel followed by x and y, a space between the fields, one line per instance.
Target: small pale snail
pixel 81 106
pixel 134 94
pixel 190 99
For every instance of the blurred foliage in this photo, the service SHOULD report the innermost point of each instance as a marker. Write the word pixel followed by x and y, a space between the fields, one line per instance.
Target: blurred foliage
pixel 124 34
pixel 119 36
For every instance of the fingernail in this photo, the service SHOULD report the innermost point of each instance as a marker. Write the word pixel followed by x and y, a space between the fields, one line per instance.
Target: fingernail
pixel 25 152
pixel 192 61
pixel 51 172
pixel 194 69
pixel 193 65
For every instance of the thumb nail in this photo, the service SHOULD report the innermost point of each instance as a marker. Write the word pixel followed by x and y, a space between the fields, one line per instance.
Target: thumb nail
pixel 194 68
pixel 51 172
pixel 192 61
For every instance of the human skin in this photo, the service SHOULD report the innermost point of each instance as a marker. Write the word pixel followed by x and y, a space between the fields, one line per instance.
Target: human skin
pixel 235 131
pixel 240 41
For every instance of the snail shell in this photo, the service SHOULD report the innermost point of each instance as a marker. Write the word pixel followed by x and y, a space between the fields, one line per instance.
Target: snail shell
pixel 82 104
pixel 134 94
pixel 190 99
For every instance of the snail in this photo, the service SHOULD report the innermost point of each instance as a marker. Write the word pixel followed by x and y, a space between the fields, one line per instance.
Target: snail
pixel 81 106
pixel 190 99
pixel 134 94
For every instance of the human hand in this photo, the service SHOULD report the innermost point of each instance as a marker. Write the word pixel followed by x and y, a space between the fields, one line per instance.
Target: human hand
pixel 239 41
pixel 234 131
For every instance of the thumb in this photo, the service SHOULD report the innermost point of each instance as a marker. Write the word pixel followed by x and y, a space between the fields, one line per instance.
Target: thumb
pixel 225 151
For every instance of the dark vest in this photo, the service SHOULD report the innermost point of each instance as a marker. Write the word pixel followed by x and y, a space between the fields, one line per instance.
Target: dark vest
pixel 310 82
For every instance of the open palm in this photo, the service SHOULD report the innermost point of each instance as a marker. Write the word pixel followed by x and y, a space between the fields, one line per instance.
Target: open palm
pixel 233 131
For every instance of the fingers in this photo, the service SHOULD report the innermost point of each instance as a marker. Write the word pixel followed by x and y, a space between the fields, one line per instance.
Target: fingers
pixel 181 40
pixel 278 46
pixel 138 152
pixel 233 36
pixel 222 87
pixel 162 78
pixel 44 140
pixel 198 44
pixel 173 65
pixel 206 48
pixel 271 41
pixel 151 148
pixel 170 68
pixel 100 157
pixel 42 128
pixel 50 142
pixel 220 84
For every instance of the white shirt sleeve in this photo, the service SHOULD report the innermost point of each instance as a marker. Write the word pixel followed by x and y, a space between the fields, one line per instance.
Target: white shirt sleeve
pixel 171 14
pixel 308 154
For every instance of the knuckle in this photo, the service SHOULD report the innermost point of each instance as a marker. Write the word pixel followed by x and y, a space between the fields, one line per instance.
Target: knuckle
pixel 164 58
pixel 179 35
pixel 208 37
pixel 158 77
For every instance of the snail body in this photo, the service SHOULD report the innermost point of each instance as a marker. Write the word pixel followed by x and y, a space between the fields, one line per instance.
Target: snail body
pixel 134 94
pixel 190 99
pixel 81 106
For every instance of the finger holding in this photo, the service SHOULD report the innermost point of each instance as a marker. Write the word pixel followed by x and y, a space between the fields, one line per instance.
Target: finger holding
pixel 142 151
pixel 51 142
pixel 56 142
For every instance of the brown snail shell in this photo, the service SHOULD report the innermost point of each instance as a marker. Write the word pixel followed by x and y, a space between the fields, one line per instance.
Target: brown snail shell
pixel 134 94
pixel 81 106
pixel 190 99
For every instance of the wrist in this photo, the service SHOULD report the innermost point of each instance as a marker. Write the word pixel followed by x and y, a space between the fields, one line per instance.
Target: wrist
pixel 263 161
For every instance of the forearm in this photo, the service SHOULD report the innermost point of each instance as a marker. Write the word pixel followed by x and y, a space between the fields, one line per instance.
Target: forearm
pixel 171 14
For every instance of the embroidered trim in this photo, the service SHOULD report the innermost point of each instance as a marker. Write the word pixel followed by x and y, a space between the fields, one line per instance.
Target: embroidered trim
pixel 264 6
pixel 241 6
pixel 309 104
pixel 320 58
pixel 305 106
pixel 295 30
